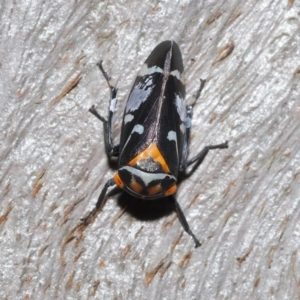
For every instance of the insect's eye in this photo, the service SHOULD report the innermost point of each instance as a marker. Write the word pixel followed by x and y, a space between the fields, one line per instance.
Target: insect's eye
pixel 118 181
pixel 171 190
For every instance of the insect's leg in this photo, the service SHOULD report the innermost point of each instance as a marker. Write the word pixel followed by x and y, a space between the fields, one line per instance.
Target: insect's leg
pixel 111 149
pixel 201 155
pixel 184 222
pixel 189 110
pixel 189 115
pixel 101 201
pixel 198 92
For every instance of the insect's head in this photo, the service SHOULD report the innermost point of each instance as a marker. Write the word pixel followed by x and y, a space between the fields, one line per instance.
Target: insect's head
pixel 145 185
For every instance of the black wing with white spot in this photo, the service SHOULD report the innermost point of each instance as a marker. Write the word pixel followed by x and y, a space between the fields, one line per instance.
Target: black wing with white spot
pixel 155 111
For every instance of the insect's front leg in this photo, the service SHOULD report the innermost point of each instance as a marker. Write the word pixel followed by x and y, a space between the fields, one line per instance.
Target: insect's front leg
pixel 111 149
pixel 183 221
pixel 101 201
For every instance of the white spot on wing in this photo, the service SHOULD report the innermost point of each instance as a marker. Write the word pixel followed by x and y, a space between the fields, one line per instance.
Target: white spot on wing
pixel 138 128
pixel 147 71
pixel 181 108
pixel 172 136
pixel 178 75
pixel 128 118
pixel 182 128
pixel 139 94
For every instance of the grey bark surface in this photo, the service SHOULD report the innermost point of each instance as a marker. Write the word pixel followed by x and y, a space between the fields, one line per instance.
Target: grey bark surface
pixel 242 203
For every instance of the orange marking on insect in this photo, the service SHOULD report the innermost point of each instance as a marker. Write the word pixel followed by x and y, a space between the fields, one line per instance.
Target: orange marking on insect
pixel 151 152
pixel 171 190
pixel 154 189
pixel 136 187
pixel 118 181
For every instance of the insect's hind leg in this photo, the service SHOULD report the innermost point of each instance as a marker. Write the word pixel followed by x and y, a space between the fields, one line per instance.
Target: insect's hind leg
pixel 111 149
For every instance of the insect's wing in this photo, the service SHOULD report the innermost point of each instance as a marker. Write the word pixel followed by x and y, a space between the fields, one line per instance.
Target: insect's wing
pixel 155 111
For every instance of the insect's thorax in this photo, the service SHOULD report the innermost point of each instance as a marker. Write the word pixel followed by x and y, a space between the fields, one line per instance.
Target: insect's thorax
pixel 147 175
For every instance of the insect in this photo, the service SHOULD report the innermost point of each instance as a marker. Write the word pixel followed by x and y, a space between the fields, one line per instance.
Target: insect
pixel 155 132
